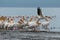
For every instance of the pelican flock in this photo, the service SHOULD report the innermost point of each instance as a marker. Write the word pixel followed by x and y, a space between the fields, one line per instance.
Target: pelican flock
pixel 9 23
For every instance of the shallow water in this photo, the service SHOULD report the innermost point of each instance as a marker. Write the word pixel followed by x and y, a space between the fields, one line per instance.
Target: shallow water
pixel 18 35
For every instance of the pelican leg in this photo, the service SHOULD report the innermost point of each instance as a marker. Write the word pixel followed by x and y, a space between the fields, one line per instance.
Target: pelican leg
pixel 32 28
pixel 46 27
pixel 35 28
pixel 6 28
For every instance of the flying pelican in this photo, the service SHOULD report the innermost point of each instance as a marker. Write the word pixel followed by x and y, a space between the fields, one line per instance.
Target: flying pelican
pixel 47 18
pixel 47 21
pixel 40 15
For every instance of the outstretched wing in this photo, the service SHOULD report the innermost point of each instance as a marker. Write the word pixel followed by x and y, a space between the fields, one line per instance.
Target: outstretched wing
pixel 39 12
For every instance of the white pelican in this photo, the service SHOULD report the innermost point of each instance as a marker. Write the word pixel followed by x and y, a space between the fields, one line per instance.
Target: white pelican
pixel 47 18
pixel 46 23
pixel 33 24
pixel 22 23
pixel 1 23
pixel 10 23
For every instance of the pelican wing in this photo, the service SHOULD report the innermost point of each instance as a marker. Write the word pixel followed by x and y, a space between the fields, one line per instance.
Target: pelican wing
pixel 39 12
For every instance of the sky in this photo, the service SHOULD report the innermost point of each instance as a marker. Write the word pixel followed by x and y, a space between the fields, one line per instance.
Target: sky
pixel 29 3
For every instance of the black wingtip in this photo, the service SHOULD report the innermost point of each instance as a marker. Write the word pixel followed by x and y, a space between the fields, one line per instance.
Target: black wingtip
pixel 39 12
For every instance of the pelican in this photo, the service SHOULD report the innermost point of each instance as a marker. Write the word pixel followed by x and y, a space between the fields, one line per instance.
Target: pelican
pixel 33 24
pixel 40 15
pixel 47 18
pixel 2 20
pixel 1 24
pixel 22 23
pixel 9 23
pixel 46 23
